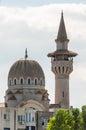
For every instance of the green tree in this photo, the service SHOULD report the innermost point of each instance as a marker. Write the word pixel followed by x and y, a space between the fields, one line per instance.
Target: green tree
pixel 77 119
pixel 63 120
pixel 84 116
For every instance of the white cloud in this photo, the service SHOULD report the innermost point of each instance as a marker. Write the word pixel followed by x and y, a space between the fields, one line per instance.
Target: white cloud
pixel 36 28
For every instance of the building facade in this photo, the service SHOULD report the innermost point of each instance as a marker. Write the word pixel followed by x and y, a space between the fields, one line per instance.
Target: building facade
pixel 23 119
pixel 27 105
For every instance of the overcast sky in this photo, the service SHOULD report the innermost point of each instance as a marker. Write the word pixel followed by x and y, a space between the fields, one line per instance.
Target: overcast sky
pixel 34 25
pixel 36 2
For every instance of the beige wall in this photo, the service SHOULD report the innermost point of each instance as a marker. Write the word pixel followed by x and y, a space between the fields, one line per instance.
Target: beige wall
pixel 62 91
pixel 12 119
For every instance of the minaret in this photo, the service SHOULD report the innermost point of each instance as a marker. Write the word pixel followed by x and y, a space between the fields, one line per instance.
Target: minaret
pixel 62 66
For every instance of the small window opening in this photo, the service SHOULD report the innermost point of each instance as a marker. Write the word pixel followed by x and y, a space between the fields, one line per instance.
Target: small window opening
pixel 66 69
pixel 29 81
pixel 35 81
pixel 41 82
pixel 21 81
pixel 63 94
pixel 14 81
pixel 59 69
pixel 63 69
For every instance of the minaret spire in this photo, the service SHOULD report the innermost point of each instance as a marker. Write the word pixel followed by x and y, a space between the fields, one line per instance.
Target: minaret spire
pixel 62 35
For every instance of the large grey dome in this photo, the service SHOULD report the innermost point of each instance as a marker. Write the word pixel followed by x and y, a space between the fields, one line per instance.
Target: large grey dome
pixel 27 70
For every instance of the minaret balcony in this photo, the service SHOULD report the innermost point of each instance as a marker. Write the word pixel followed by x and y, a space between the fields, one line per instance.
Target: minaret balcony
pixel 62 67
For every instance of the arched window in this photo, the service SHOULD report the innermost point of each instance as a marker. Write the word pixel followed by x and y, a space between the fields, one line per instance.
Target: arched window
pixel 66 69
pixel 59 69
pixel 41 82
pixel 14 81
pixel 63 69
pixel 21 81
pixel 29 81
pixel 36 81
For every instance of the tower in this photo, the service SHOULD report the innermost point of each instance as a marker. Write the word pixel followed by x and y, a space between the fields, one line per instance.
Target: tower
pixel 62 65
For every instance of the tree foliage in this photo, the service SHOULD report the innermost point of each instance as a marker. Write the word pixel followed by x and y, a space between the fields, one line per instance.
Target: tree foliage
pixel 84 116
pixel 63 120
pixel 77 119
pixel 68 120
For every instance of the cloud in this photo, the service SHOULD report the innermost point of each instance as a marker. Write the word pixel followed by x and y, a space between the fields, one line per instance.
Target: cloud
pixel 36 28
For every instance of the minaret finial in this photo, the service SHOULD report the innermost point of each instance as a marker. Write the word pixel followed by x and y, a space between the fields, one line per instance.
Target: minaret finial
pixel 62 13
pixel 26 54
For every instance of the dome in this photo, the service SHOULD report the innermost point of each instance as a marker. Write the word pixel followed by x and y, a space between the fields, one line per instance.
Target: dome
pixel 25 68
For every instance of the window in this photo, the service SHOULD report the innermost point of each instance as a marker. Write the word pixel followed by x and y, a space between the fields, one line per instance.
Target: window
pixel 30 117
pixel 7 117
pixel 29 81
pixel 59 69
pixel 62 94
pixel 26 117
pixel 66 69
pixel 6 128
pixel 14 81
pixel 33 116
pixel 33 119
pixel 44 122
pixel 4 116
pixel 21 81
pixel 41 81
pixel 35 81
pixel 30 128
pixel 21 118
pixel 63 69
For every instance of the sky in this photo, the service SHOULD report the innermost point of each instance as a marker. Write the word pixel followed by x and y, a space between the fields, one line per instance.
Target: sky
pixel 36 2
pixel 34 25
